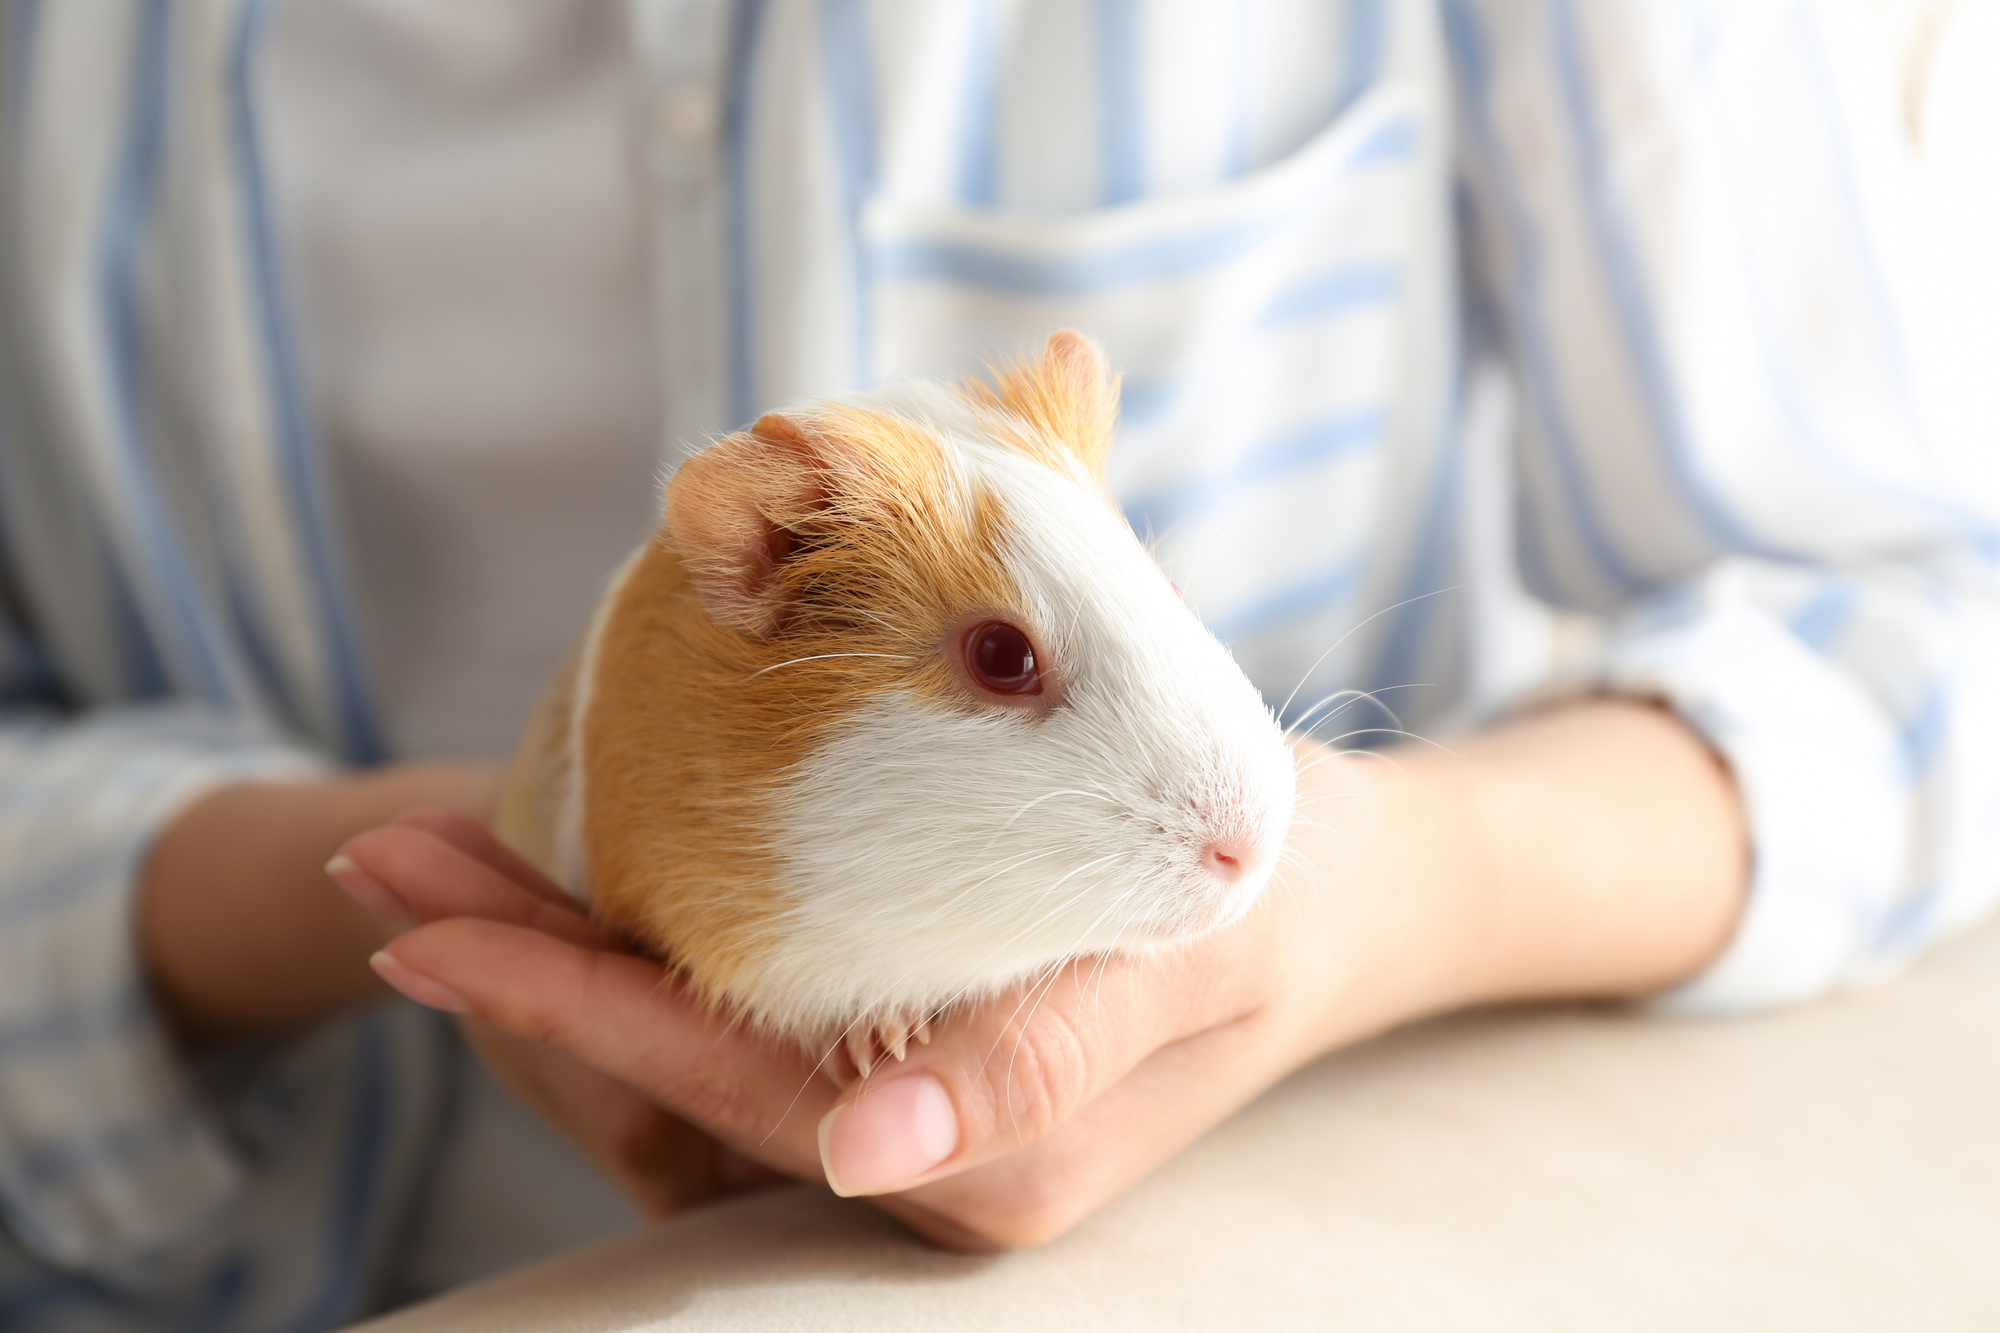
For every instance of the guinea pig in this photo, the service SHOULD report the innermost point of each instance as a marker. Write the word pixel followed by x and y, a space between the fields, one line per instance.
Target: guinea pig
pixel 896 712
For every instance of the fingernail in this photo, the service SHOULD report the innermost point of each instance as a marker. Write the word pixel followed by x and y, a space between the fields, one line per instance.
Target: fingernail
pixel 424 990
pixel 369 891
pixel 888 1136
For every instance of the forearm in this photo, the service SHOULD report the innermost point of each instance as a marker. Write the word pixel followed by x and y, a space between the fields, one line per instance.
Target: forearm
pixel 241 931
pixel 1594 849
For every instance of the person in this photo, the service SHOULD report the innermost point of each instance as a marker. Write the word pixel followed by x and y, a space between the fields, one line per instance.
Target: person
pixel 339 342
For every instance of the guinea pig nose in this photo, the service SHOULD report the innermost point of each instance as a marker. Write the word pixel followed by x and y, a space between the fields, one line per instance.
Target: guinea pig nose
pixel 1224 860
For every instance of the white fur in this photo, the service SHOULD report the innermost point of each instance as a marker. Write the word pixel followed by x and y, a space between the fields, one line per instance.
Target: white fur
pixel 938 854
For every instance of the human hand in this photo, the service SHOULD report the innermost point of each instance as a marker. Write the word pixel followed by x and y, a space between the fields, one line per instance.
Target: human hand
pixel 660 1161
pixel 1596 849
pixel 1022 1116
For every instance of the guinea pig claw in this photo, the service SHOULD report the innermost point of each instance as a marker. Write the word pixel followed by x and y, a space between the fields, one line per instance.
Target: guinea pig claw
pixel 924 1032
pixel 861 1049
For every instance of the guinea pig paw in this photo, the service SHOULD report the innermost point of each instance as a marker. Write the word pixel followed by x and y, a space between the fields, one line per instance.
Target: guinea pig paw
pixel 897 1034
pixel 860 1044
pixel 869 1044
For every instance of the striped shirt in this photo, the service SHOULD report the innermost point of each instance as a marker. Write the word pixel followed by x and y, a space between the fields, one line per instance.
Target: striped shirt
pixel 1439 319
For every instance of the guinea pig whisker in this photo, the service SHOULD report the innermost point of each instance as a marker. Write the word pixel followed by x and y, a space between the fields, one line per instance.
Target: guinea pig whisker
pixel 1307 727
pixel 1040 979
pixel 1370 696
pixel 1022 931
pixel 1339 833
pixel 1320 798
pixel 1282 881
pixel 885 624
pixel 1095 981
pixel 1057 900
pixel 1351 697
pixel 1037 992
pixel 821 657
pixel 1313 823
pixel 1043 990
pixel 1395 731
pixel 1016 864
pixel 1075 614
pixel 1154 537
pixel 1047 795
pixel 1308 765
pixel 1064 903
pixel 1298 824
pixel 1350 634
pixel 792 1105
pixel 1347 694
pixel 1004 912
pixel 998 911
pixel 1331 754
pixel 1037 979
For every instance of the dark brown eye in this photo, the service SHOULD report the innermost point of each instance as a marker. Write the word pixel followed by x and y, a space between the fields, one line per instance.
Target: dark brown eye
pixel 1003 660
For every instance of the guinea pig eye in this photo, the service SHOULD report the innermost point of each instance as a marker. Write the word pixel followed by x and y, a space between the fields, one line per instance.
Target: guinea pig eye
pixel 1002 659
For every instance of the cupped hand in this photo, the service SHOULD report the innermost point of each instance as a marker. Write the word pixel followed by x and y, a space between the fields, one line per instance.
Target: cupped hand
pixel 450 866
pixel 1022 1116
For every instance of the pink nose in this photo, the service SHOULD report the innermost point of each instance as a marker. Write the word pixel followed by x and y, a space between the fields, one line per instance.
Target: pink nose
pixel 1224 860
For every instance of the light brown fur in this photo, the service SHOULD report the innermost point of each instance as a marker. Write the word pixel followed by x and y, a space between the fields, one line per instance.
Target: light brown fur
pixel 1065 399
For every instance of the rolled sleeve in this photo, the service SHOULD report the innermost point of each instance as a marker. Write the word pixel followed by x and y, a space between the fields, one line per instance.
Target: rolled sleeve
pixel 1823 786
pixel 108 1164
pixel 1710 257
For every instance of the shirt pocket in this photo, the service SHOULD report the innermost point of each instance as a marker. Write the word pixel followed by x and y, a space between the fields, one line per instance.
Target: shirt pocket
pixel 1271 333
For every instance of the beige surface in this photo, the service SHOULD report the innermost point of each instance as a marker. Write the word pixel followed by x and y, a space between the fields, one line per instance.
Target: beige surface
pixel 1837 1167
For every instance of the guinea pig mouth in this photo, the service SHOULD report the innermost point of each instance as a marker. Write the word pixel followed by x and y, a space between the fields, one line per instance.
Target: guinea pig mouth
pixel 1224 867
pixel 1223 901
pixel 1202 900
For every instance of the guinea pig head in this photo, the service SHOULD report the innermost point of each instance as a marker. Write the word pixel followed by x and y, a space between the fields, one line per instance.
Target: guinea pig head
pixel 897 711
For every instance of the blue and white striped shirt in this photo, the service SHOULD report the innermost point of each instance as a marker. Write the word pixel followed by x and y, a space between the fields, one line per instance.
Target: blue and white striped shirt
pixel 1440 319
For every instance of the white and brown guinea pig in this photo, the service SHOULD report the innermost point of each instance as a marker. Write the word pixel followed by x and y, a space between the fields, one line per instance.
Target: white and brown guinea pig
pixel 895 711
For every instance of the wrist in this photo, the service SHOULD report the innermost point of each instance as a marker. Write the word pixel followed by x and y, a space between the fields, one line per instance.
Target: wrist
pixel 1597 850
pixel 1615 851
pixel 1378 894
pixel 239 929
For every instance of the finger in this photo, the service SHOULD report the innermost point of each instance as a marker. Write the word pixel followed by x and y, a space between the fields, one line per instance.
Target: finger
pixel 629 1018
pixel 428 879
pixel 480 843
pixel 1166 1102
pixel 662 1163
pixel 1010 1072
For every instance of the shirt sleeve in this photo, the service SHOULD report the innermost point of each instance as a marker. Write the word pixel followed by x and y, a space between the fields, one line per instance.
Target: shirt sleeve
pixel 108 1163
pixel 162 506
pixel 1705 236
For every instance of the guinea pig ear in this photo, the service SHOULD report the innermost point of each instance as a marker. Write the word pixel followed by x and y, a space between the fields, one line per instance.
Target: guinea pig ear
pixel 730 509
pixel 1069 394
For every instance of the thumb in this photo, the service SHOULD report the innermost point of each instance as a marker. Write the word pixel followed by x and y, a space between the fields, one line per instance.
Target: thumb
pixel 1010 1071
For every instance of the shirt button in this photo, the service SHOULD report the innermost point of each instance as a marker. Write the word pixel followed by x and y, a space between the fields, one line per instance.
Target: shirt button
pixel 688 114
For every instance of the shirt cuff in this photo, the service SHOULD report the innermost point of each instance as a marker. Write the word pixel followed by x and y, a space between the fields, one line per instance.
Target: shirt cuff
pixel 109 1163
pixel 1821 779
